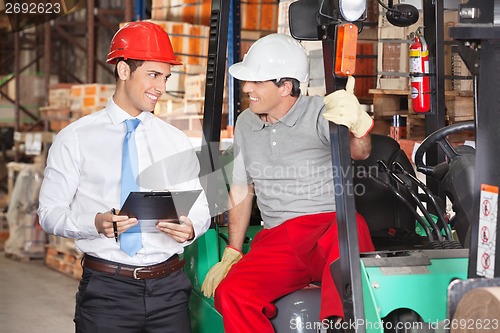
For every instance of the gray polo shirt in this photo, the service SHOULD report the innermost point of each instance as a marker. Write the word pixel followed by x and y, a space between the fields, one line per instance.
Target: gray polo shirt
pixel 288 162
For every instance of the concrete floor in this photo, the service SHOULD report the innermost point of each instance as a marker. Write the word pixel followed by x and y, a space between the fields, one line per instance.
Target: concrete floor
pixel 35 298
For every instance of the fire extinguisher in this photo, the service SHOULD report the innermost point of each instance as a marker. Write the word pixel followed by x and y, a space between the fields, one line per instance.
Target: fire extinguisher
pixel 419 73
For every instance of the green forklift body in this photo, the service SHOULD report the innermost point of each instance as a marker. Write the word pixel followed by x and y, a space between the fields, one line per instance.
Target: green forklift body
pixel 200 256
pixel 413 280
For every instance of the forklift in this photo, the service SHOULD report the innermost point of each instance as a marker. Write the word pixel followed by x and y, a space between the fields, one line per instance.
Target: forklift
pixel 414 288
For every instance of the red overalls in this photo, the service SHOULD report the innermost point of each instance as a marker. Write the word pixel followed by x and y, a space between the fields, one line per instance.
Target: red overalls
pixel 284 259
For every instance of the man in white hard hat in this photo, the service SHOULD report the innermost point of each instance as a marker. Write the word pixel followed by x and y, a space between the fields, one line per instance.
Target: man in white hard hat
pixel 283 156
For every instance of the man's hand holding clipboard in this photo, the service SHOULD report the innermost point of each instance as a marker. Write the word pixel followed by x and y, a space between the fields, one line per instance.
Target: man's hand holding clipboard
pixel 180 232
pixel 167 211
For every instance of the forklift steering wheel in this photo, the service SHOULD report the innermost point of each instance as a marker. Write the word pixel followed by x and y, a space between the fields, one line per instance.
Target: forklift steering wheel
pixel 439 137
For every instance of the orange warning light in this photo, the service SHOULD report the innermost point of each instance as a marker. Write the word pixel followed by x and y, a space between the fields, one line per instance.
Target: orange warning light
pixel 345 54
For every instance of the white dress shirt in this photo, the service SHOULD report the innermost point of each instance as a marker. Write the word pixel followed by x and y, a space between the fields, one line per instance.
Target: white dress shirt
pixel 83 175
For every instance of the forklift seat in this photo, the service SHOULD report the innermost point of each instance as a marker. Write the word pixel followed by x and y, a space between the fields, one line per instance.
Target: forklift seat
pixel 391 223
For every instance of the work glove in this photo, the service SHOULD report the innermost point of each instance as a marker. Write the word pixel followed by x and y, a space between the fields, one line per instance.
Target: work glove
pixel 343 108
pixel 215 275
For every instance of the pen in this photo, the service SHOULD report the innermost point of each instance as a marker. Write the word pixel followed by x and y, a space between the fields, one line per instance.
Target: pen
pixel 115 229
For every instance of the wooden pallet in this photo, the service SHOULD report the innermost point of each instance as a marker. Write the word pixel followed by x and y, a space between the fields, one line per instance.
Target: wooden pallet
pixel 68 263
pixel 460 108
pixel 387 103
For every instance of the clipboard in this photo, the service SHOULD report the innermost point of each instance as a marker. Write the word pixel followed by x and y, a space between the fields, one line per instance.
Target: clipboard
pixel 159 205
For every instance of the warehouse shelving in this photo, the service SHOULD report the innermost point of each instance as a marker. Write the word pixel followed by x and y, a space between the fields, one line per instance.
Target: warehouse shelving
pixel 67 47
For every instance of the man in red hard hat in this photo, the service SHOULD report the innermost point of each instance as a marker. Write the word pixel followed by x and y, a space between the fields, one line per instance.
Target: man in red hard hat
pixel 132 278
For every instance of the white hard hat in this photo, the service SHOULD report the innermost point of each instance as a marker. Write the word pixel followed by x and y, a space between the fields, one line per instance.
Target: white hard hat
pixel 272 57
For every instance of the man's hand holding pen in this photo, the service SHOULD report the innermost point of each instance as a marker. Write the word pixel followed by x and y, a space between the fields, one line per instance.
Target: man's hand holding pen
pixel 111 225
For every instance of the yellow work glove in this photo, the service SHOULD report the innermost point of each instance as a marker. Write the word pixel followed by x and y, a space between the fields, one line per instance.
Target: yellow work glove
pixel 343 108
pixel 215 275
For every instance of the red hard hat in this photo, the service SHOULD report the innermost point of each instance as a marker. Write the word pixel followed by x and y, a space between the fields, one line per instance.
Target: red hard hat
pixel 142 41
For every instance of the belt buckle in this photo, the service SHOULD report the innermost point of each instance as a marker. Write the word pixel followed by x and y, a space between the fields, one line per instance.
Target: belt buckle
pixel 137 270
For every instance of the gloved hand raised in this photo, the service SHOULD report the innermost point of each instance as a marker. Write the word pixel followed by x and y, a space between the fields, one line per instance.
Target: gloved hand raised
pixel 215 275
pixel 343 108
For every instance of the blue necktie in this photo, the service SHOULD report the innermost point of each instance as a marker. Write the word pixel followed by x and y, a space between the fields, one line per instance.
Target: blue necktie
pixel 131 240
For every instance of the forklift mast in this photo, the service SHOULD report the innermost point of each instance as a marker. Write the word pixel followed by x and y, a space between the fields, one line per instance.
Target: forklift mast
pixel 346 271
pixel 214 92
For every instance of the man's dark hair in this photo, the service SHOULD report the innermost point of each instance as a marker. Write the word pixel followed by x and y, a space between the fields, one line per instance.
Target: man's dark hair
pixel 295 85
pixel 133 64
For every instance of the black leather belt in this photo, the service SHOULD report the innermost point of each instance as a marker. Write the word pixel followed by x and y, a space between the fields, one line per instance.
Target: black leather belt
pixel 135 272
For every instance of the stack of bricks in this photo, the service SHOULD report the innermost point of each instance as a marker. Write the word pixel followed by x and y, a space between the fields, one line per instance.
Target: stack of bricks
pixel 89 98
pixel 57 113
pixel 184 109
pixel 188 11
pixel 69 102
pixel 187 22
pixel 393 46
pixel 187 113
pixel 189 41
pixel 190 45
pixel 256 15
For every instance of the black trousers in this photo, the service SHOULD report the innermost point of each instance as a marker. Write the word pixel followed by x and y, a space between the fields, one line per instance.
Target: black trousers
pixel 113 304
